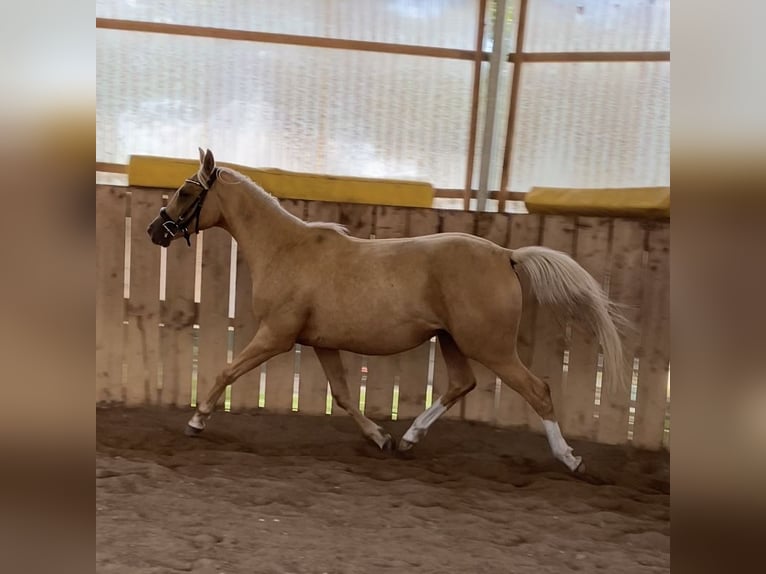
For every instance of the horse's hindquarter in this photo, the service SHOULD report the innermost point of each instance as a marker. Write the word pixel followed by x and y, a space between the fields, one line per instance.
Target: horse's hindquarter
pixel 386 296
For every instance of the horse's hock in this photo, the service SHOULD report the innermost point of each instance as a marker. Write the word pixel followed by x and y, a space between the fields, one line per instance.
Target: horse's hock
pixel 167 323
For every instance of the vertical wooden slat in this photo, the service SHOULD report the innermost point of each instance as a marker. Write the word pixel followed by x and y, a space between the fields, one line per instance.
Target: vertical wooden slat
pixel 179 314
pixel 111 206
pixel 550 329
pixel 381 372
pixel 655 343
pixel 313 384
pixel 422 222
pixel 412 377
pixel 458 221
pixel 280 378
pixel 144 306
pixel 390 222
pixel 245 393
pixel 493 226
pixel 357 218
pixel 213 309
pixel 323 211
pixel 352 363
pixel 626 283
pixel 513 410
pixel 579 391
pixel 295 206
pixel 413 365
pixel 480 403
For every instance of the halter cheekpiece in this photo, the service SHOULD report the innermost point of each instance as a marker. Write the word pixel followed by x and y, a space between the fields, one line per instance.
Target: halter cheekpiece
pixel 172 227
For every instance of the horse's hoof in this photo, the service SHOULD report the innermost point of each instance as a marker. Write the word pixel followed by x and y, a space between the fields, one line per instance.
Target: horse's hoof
pixel 388 443
pixel 192 431
pixel 577 466
pixel 405 445
pixel 383 441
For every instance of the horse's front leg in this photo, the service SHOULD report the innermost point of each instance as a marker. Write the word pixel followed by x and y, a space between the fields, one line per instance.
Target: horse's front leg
pixel 336 374
pixel 261 348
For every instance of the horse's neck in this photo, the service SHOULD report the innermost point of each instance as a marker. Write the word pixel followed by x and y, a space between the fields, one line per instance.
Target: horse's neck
pixel 260 226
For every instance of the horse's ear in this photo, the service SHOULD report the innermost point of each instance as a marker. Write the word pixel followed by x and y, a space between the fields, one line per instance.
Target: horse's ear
pixel 201 155
pixel 209 162
pixel 207 166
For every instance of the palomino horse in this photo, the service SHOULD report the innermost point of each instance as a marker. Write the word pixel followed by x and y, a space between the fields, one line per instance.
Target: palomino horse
pixel 383 296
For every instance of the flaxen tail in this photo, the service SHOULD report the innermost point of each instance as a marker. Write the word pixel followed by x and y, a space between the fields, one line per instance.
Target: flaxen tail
pixel 557 279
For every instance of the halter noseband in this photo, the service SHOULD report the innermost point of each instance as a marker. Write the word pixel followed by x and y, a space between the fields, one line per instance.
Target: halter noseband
pixel 172 227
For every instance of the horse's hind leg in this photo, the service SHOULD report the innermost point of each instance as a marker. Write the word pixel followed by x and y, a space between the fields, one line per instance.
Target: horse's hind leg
pixel 537 393
pixel 461 381
pixel 336 374
pixel 262 347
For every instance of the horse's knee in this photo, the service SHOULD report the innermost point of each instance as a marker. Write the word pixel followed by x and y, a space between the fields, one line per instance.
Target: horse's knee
pixel 226 377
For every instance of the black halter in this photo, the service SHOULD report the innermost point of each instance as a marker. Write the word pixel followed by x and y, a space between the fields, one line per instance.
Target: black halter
pixel 172 227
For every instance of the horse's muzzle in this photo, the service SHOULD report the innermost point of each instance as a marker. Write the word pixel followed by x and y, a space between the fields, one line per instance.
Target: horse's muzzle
pixel 159 234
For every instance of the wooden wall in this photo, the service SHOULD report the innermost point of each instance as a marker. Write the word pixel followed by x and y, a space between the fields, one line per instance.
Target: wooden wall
pixel 164 350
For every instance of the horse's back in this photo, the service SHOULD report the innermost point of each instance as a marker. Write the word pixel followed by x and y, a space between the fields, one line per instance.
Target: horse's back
pixel 423 271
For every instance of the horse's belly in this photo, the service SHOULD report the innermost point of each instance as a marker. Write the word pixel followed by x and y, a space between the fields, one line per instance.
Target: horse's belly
pixel 368 339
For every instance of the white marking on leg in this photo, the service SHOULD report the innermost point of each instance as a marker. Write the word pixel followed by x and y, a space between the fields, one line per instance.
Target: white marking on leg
pixel 197 422
pixel 561 450
pixel 419 426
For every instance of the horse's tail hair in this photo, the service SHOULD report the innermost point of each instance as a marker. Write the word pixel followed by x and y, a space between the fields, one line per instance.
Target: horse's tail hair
pixel 557 279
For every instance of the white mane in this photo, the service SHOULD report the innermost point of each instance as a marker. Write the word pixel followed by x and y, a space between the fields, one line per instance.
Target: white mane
pixel 242 178
pixel 337 227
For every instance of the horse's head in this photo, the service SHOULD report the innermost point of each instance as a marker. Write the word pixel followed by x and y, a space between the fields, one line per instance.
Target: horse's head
pixel 184 213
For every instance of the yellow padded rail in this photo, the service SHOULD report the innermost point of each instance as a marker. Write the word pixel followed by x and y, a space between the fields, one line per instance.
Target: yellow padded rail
pixel 169 173
pixel 643 202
